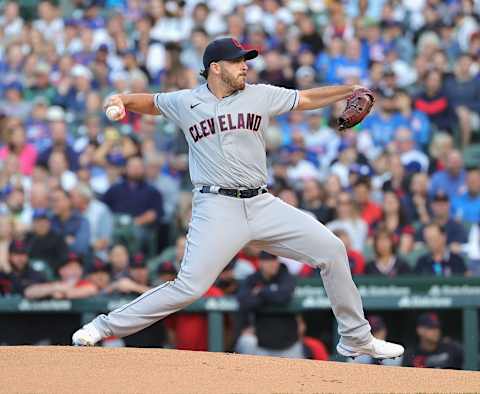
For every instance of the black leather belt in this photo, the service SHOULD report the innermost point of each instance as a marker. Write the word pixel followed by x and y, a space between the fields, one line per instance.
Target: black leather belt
pixel 245 193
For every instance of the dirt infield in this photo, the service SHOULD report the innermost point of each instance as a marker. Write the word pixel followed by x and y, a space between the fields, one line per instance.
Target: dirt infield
pixel 100 370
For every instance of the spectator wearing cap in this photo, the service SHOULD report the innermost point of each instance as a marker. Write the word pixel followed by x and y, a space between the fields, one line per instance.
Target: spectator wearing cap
pixel 386 262
pixel 71 284
pixel 16 144
pixel 100 275
pixel 166 272
pixel 59 142
pixel 74 229
pixel 134 197
pixel 347 157
pixel 439 261
pixel 441 215
pixel 43 243
pixel 270 334
pixel 110 172
pixel 466 207
pixel 41 85
pixel 21 275
pixel 433 350
pixel 380 331
pixel 136 279
pixel 452 179
pixel 227 281
pixel 434 102
pixel 349 220
pixel 412 159
pixel 138 269
pixel 463 90
pixel 13 103
pixel 382 124
pixel 98 216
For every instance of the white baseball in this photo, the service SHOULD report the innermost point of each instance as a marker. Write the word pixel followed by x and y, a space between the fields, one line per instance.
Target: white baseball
pixel 113 112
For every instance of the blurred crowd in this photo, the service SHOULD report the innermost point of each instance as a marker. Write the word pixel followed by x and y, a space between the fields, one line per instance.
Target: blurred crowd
pixel 92 207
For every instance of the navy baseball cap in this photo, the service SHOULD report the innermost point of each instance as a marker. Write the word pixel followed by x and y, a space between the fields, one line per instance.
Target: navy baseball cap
pixel 227 48
pixel 100 265
pixel 429 320
pixel 167 267
pixel 17 246
pixel 138 261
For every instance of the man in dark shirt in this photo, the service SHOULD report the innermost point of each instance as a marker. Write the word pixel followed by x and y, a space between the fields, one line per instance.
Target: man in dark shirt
pixel 274 334
pixel 435 103
pixel 59 143
pixel 455 232
pixel 74 229
pixel 43 243
pixel 139 201
pixel 21 275
pixel 463 91
pixel 432 350
pixel 439 261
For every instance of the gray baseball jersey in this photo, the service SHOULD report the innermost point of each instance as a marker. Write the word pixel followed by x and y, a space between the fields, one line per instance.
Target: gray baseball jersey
pixel 225 136
pixel 227 149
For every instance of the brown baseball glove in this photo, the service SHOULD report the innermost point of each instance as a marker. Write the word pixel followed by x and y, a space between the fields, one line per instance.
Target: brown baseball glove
pixel 358 106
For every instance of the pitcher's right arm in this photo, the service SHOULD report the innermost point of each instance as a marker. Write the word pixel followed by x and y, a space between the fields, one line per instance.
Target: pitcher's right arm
pixel 142 103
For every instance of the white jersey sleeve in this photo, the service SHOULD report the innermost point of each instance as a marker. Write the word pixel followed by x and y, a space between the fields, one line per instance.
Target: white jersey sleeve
pixel 278 100
pixel 171 105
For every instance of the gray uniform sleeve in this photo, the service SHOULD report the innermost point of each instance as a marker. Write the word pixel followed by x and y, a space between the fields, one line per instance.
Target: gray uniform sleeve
pixel 170 105
pixel 279 100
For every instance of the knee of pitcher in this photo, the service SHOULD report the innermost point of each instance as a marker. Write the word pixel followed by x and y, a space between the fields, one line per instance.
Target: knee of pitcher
pixel 332 251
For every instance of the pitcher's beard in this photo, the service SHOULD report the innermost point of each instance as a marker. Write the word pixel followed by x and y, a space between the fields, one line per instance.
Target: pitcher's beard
pixel 233 83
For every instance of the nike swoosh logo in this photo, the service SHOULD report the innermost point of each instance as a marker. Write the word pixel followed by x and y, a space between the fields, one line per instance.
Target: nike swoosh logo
pixel 193 106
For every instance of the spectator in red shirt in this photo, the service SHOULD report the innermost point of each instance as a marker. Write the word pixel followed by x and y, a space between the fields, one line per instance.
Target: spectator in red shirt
pixel 369 211
pixel 355 257
pixel 189 331
pixel 313 348
pixel 70 286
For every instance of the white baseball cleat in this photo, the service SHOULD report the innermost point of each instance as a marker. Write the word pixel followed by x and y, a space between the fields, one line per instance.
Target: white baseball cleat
pixel 88 335
pixel 376 348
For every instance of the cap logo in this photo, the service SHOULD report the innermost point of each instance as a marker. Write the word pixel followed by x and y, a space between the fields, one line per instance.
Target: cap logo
pixel 236 43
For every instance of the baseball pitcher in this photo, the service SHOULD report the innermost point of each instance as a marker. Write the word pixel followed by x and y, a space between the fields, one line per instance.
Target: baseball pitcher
pixel 223 121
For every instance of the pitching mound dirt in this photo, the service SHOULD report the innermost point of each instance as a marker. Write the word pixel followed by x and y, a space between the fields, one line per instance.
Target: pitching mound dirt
pixel 99 370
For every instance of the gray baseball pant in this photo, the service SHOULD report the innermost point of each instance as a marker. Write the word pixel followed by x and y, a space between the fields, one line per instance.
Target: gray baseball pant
pixel 219 228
